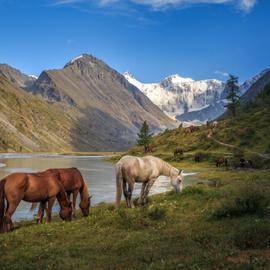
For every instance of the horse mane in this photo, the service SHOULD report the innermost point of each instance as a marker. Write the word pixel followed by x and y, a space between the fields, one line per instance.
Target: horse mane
pixel 85 192
pixel 167 167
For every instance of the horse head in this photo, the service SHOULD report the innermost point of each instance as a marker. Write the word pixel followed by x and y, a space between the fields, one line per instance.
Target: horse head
pixel 85 206
pixel 66 212
pixel 177 180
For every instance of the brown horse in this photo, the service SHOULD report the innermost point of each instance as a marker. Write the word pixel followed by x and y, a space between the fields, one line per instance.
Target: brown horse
pixel 31 187
pixel 222 161
pixel 178 151
pixel 197 157
pixel 73 183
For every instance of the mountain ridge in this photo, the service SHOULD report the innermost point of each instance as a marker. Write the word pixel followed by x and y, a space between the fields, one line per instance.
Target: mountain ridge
pixel 107 111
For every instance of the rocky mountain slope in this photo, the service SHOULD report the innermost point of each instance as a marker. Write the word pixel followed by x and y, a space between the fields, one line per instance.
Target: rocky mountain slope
pixel 16 76
pixel 254 86
pixel 113 109
pixel 28 123
pixel 95 106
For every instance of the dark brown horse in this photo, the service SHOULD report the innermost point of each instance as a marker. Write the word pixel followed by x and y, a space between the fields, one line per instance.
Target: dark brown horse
pixel 178 151
pixel 222 161
pixel 197 157
pixel 73 183
pixel 31 187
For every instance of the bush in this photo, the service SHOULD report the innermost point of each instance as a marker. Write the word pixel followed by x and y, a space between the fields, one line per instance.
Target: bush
pixel 204 155
pixel 253 236
pixel 250 201
pixel 157 213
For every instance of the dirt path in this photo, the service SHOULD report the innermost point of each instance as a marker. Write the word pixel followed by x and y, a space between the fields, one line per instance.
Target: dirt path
pixel 210 136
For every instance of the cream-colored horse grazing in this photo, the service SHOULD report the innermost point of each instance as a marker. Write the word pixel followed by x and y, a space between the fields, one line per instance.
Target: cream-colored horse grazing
pixel 145 170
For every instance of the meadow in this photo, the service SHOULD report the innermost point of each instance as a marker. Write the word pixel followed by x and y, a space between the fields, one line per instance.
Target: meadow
pixel 220 225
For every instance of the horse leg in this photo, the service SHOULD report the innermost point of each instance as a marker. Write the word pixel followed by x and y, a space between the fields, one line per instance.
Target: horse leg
pixel 41 208
pixel 130 190
pixel 125 193
pixel 74 198
pixel 49 209
pixel 140 201
pixel 148 187
pixel 8 225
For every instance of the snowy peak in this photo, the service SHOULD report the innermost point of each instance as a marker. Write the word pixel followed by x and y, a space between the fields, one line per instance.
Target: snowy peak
pixel 176 79
pixel 129 75
pixel 176 95
pixel 33 76
pixel 16 76
pixel 248 83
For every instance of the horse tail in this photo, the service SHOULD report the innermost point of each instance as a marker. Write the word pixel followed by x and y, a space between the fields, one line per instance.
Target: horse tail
pixel 33 206
pixel 2 202
pixel 119 184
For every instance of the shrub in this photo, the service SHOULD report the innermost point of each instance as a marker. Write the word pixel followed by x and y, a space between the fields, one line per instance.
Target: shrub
pixel 157 213
pixel 204 155
pixel 250 201
pixel 253 236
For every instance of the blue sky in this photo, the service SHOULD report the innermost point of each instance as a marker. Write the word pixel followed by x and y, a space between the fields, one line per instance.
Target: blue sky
pixel 151 38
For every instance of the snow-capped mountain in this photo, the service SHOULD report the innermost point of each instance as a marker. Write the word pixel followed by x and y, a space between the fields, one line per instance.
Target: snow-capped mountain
pixel 176 95
pixel 189 100
pixel 248 83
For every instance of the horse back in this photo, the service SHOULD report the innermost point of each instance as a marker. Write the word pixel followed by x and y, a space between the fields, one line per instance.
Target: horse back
pixel 141 169
pixel 71 178
pixel 16 181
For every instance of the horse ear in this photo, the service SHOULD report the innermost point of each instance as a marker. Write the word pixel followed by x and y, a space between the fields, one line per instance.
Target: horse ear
pixel 180 172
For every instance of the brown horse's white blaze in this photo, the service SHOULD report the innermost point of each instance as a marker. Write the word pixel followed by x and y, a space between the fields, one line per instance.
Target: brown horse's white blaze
pixel 31 187
pixel 145 170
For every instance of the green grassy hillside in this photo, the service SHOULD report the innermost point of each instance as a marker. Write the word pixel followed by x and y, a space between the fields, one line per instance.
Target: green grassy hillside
pixel 28 123
pixel 246 135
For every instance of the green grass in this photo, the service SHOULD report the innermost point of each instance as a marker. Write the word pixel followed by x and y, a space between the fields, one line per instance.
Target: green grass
pixel 173 231
pixel 248 132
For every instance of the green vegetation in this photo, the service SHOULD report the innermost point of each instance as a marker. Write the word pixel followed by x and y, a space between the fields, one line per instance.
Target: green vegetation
pixel 222 223
pixel 173 231
pixel 34 124
pixel 144 136
pixel 233 99
pixel 245 135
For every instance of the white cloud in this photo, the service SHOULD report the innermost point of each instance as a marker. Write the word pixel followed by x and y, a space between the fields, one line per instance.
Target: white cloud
pixel 245 5
pixel 222 73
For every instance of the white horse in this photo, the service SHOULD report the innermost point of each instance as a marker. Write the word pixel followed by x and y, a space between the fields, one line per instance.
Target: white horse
pixel 145 170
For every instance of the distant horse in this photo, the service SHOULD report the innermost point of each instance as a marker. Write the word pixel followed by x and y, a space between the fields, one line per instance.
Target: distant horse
pixel 178 151
pixel 149 149
pixel 222 161
pixel 246 163
pixel 197 158
pixel 192 129
pixel 73 183
pixel 215 124
pixel 145 170
pixel 31 187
